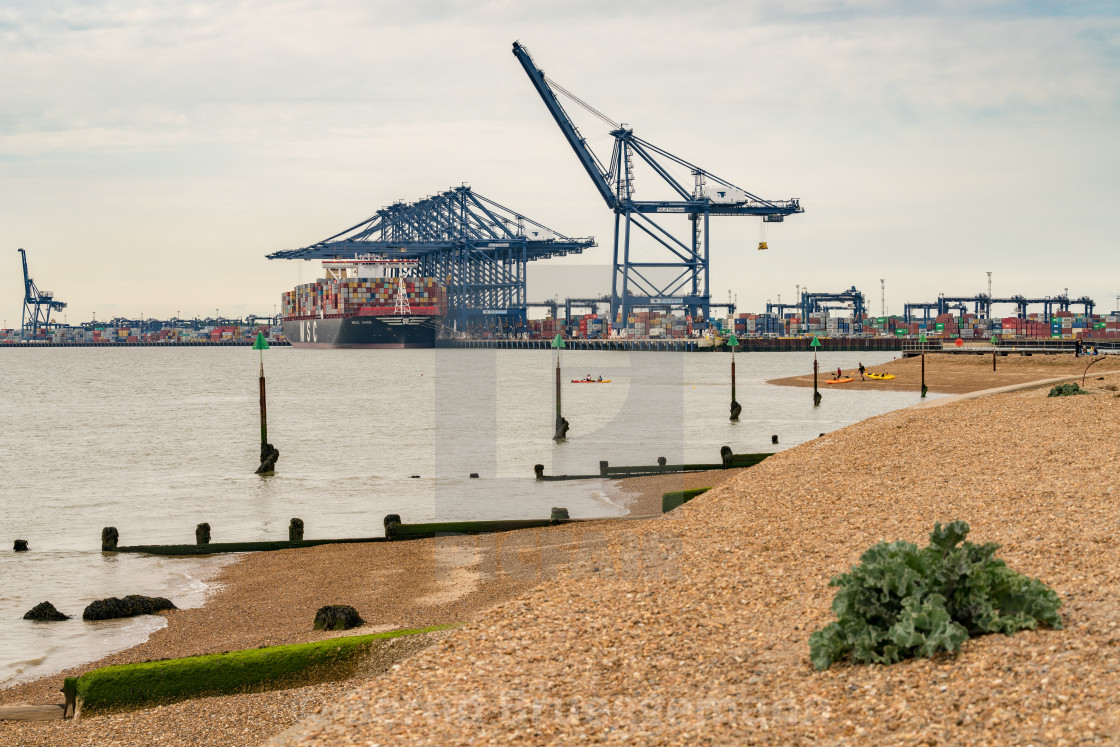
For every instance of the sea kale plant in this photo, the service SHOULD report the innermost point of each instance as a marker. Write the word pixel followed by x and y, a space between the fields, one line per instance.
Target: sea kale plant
pixel 903 601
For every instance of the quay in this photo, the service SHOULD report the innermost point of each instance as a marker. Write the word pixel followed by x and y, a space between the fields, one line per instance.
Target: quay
pixel 746 345
pixel 159 344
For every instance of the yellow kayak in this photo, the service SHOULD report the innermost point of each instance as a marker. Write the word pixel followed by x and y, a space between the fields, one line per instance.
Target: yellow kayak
pixel 880 377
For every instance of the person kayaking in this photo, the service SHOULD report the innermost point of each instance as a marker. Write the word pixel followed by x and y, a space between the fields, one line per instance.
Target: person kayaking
pixel 861 370
pixel 600 378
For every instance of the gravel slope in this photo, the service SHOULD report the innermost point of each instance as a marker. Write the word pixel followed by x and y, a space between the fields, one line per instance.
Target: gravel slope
pixel 707 642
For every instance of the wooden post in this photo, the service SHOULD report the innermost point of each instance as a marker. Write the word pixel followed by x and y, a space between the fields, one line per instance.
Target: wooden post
pixel 264 411
pixel 923 375
pixel 816 394
pixel 202 534
pixel 736 408
pixel 561 424
pixel 295 530
pixel 269 453
pixel 993 361
pixel 559 417
pixel 109 538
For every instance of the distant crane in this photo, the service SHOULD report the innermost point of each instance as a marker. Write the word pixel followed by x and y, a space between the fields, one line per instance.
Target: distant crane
pixel 37 306
pixel 679 276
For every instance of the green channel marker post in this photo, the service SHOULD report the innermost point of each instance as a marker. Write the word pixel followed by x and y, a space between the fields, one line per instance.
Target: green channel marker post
pixel 816 394
pixel 736 408
pixel 269 454
pixel 561 424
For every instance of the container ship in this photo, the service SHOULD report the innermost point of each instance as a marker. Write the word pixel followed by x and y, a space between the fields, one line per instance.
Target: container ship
pixel 365 302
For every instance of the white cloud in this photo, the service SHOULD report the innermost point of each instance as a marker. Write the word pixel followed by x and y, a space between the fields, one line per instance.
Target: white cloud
pixel 185 140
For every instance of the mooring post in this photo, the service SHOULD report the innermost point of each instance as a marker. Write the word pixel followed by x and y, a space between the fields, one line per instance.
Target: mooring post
pixel 816 394
pixel 269 453
pixel 993 361
pixel 295 530
pixel 736 408
pixel 923 375
pixel 561 424
pixel 202 534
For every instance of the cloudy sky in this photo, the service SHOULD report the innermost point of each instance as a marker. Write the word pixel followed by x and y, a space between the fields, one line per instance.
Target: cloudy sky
pixel 151 153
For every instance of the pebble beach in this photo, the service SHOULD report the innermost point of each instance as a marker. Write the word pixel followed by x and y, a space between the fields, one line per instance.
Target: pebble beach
pixel 692 627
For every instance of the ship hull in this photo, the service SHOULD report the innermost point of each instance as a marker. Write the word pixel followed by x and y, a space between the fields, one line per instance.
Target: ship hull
pixel 362 332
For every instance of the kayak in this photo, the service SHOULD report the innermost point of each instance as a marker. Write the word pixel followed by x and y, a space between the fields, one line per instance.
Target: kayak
pixel 593 381
pixel 880 377
pixel 844 380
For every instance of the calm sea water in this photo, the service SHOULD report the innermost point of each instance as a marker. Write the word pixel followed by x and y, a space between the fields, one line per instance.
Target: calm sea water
pixel 154 441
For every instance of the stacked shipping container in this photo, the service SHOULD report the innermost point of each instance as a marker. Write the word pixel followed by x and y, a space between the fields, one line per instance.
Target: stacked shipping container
pixel 349 296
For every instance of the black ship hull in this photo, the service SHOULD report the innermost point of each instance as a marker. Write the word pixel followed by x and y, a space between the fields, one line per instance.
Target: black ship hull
pixel 362 332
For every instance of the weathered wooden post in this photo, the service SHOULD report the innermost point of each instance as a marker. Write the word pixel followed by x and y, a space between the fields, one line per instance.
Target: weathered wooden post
pixel 202 534
pixel 816 394
pixel 269 454
pixel 109 538
pixel 923 375
pixel 295 530
pixel 559 514
pixel 19 546
pixel 736 408
pixel 922 339
pixel 561 424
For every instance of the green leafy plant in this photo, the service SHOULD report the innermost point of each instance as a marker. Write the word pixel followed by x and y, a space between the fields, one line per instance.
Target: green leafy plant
pixel 1066 390
pixel 902 601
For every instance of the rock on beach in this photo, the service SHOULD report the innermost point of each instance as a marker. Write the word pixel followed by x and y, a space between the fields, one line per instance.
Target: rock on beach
pixel 131 606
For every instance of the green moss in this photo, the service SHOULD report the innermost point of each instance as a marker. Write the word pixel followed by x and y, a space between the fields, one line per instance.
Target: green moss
pixel 669 501
pixel 128 686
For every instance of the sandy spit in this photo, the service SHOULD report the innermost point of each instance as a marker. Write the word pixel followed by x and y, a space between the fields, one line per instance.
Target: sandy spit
pixel 948 373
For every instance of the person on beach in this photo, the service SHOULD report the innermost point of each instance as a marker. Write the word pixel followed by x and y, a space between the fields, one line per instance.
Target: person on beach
pixel 839 373
pixel 861 370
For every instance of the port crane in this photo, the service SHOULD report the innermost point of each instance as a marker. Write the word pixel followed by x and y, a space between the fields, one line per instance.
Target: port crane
pixel 478 248
pixel 37 306
pixel 982 304
pixel 677 274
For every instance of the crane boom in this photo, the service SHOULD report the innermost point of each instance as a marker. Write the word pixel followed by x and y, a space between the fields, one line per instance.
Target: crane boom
pixel 666 269
pixel 579 145
pixel 27 285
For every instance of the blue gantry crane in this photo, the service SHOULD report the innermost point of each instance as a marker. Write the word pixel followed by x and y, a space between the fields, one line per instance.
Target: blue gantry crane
pixel 35 320
pixel 982 305
pixel 476 247
pixel 677 273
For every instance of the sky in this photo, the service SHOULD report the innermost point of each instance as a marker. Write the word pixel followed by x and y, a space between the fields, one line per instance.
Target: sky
pixel 152 153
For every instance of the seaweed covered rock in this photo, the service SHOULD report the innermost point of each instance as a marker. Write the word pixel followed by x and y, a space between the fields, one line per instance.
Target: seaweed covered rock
pixel 45 612
pixel 131 606
pixel 269 455
pixel 337 617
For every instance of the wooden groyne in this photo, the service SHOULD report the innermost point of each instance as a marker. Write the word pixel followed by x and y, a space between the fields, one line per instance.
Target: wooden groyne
pixel 728 460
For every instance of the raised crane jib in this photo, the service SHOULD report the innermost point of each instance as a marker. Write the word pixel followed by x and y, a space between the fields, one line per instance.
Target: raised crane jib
pixel 586 157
